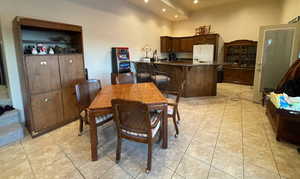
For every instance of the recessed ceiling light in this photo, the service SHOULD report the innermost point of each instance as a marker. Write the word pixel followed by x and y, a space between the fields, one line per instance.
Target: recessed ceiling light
pixel 196 1
pixel 164 10
pixel 176 16
pixel 146 1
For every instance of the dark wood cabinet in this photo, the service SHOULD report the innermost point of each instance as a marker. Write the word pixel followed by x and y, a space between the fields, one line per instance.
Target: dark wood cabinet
pixel 176 46
pixel 166 44
pixel 71 69
pixel 48 81
pixel 46 110
pixel 206 39
pixel 43 73
pixel 240 57
pixel 238 75
pixel 186 44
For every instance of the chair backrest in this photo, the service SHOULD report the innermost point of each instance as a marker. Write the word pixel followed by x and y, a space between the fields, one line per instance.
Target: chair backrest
pixel 132 116
pixel 86 91
pixel 123 78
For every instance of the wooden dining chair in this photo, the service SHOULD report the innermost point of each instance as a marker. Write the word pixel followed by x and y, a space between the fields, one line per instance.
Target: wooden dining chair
pixel 173 105
pixel 86 91
pixel 159 78
pixel 123 78
pixel 135 122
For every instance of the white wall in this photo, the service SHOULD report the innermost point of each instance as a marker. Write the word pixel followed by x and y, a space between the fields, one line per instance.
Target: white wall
pixel 106 23
pixel 290 10
pixel 238 20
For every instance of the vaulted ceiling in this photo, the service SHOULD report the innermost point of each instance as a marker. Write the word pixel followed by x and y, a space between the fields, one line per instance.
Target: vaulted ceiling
pixel 176 10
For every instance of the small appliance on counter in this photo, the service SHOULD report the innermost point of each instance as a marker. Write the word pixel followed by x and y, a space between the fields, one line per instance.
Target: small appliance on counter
pixel 172 57
pixel 120 60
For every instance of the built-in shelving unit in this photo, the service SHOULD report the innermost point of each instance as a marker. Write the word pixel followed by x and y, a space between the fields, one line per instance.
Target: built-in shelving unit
pixel 48 80
pixel 239 57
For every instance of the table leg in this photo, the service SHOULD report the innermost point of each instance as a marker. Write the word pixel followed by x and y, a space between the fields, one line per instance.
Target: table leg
pixel 94 137
pixel 165 127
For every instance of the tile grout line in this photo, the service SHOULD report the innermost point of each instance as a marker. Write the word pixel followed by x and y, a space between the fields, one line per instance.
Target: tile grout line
pixel 243 151
pixel 66 155
pixel 273 155
pixel 28 160
pixel 217 139
pixel 185 152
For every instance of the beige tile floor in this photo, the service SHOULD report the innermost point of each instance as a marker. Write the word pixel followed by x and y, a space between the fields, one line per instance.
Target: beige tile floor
pixel 220 137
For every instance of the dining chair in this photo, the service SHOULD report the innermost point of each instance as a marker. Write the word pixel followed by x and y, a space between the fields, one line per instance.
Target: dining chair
pixel 86 91
pixel 136 122
pixel 173 105
pixel 123 78
pixel 143 73
pixel 159 78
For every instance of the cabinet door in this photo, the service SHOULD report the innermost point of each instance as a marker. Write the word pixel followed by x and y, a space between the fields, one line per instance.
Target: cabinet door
pixel 165 44
pixel 176 45
pixel 42 73
pixel 71 110
pixel 205 39
pixel 46 110
pixel 186 44
pixel 71 69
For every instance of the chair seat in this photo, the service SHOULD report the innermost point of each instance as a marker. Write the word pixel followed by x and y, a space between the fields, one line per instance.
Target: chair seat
pixel 143 75
pixel 154 132
pixel 160 78
pixel 170 110
pixel 99 119
pixel 154 118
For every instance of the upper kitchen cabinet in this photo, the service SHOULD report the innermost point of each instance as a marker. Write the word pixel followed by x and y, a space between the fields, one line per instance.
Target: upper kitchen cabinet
pixel 186 44
pixel 166 44
pixel 176 44
pixel 206 39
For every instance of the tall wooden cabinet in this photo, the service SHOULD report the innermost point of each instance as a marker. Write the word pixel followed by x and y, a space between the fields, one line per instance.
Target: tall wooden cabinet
pixel 240 57
pixel 48 80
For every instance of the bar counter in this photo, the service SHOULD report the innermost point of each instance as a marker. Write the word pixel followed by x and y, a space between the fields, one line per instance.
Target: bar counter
pixel 201 78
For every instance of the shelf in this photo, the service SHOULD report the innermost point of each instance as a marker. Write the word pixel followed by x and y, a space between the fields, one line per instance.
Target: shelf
pixel 45 42
pixel 52 54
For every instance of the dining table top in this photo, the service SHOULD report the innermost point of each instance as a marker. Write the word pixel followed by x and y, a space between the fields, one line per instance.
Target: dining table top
pixel 147 93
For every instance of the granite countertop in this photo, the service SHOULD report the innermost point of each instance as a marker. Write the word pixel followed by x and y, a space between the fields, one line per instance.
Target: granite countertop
pixel 180 63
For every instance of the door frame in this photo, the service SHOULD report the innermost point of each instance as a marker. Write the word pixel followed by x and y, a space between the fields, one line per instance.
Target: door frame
pixel 257 93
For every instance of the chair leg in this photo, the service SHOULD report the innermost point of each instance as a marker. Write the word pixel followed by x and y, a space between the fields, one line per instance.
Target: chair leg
pixel 175 125
pixel 178 116
pixel 80 126
pixel 149 162
pixel 160 134
pixel 119 147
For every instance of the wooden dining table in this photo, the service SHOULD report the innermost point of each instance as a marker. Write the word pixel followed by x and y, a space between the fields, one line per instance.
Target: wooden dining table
pixel 147 93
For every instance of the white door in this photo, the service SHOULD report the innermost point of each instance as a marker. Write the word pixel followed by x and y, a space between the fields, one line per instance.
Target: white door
pixel 278 48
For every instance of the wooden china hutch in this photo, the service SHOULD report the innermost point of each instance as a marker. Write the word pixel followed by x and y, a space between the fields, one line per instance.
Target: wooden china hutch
pixel 239 59
pixel 48 80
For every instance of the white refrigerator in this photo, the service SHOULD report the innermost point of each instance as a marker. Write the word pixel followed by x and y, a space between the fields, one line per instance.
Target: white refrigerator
pixel 204 53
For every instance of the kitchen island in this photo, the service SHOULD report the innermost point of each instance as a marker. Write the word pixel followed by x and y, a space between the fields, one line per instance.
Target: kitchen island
pixel 200 77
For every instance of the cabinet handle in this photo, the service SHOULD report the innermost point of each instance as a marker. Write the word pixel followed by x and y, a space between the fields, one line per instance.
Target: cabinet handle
pixel 46 100
pixel 70 61
pixel 43 63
